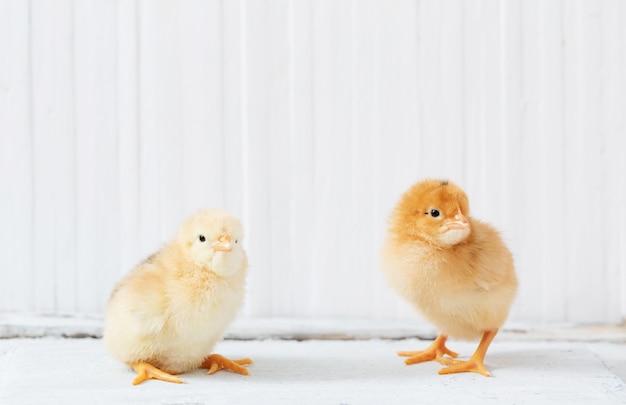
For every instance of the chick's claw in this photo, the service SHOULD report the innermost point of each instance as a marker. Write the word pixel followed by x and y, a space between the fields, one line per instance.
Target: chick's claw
pixel 435 351
pixel 146 371
pixel 216 362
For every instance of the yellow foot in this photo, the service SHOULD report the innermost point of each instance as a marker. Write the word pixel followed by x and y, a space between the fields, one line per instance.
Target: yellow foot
pixel 435 351
pixel 475 363
pixel 471 365
pixel 146 371
pixel 216 362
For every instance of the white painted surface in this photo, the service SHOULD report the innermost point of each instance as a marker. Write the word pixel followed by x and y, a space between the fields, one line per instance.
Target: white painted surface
pixel 308 119
pixel 313 372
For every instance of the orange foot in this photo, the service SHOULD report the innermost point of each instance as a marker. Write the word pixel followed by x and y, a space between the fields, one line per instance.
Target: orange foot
pixel 216 362
pixel 459 366
pixel 435 351
pixel 475 363
pixel 146 371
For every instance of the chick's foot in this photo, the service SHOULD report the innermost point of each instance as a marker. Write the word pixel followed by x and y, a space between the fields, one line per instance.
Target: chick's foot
pixel 471 365
pixel 146 371
pixel 216 362
pixel 476 362
pixel 435 351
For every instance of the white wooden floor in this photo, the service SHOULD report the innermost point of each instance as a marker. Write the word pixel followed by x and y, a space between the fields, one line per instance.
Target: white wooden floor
pixel 552 366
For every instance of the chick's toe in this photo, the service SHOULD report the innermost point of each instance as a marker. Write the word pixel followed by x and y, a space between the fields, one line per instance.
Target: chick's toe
pixel 472 365
pixel 216 362
pixel 146 371
pixel 475 363
pixel 435 351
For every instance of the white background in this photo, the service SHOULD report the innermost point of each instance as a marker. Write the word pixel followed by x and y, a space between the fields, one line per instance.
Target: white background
pixel 308 119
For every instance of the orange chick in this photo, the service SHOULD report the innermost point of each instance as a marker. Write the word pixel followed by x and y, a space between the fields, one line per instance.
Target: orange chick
pixel 455 269
pixel 165 316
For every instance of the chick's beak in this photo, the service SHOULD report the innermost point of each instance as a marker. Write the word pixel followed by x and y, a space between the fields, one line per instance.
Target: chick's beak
pixel 223 244
pixel 460 222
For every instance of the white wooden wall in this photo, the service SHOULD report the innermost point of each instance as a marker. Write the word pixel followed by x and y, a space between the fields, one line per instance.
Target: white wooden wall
pixel 308 119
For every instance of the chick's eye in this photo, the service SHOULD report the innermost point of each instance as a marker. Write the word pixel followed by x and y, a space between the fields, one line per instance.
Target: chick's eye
pixel 236 240
pixel 202 238
pixel 434 213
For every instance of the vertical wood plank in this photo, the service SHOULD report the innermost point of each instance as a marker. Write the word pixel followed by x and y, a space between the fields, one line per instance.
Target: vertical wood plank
pixel 593 144
pixel 474 51
pixel 583 104
pixel 150 84
pixel 16 161
pixel 549 152
pixel 164 50
pixel 257 182
pixel 160 123
pixel 613 130
pixel 541 129
pixel 233 96
pixel 573 112
pixel 202 161
pixel 615 63
pixel 332 106
pixel 301 174
pixel 97 201
pixel 366 89
pixel 128 128
pixel 233 93
pixel 487 191
pixel 282 288
pixel 530 147
pixel 54 156
pixel 621 107
pixel 543 126
pixel 482 81
pixel 512 41
pixel 401 117
pixel 448 96
pixel 441 89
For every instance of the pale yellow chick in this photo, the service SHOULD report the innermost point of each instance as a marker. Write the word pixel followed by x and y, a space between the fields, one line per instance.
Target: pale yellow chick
pixel 456 270
pixel 165 316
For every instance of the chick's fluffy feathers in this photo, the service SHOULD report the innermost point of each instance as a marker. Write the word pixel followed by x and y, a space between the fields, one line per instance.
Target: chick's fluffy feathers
pixel 171 309
pixel 463 284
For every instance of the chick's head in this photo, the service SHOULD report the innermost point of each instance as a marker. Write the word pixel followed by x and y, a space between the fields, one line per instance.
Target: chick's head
pixel 212 240
pixel 434 211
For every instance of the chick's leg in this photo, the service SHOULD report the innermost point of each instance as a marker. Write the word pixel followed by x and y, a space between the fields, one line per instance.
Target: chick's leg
pixel 475 363
pixel 146 371
pixel 435 351
pixel 216 362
